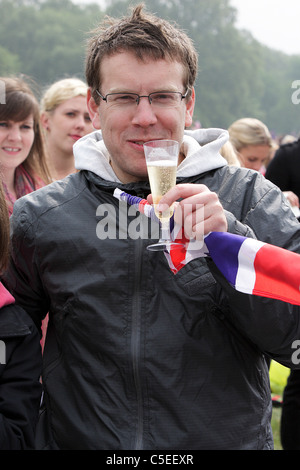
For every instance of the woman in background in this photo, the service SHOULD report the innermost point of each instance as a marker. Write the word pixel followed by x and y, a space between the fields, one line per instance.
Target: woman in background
pixel 230 154
pixel 65 119
pixel 252 141
pixel 22 153
pixel 255 148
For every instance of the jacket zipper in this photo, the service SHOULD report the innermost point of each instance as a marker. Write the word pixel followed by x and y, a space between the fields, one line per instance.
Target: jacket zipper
pixel 136 343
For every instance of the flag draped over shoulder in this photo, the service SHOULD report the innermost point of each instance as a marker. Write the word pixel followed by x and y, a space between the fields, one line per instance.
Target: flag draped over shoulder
pixel 250 266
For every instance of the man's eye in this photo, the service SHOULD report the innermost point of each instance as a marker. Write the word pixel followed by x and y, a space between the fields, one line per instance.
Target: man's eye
pixel 162 96
pixel 165 98
pixel 126 98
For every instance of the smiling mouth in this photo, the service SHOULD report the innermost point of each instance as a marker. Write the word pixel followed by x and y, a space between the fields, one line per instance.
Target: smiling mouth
pixel 11 149
pixel 140 142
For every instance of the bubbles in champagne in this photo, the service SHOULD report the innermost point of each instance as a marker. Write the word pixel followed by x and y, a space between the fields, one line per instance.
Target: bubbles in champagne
pixel 162 176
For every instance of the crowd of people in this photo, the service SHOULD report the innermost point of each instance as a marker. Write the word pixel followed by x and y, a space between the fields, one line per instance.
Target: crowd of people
pixel 133 356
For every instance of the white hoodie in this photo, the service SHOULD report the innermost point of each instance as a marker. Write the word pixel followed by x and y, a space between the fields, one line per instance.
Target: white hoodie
pixel 201 148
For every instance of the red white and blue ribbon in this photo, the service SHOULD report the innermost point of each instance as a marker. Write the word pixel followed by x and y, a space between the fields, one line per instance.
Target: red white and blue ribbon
pixel 250 266
pixel 141 205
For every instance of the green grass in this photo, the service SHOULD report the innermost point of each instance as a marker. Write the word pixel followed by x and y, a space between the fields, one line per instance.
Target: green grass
pixel 276 417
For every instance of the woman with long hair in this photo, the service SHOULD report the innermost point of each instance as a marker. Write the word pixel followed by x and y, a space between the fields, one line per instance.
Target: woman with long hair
pixel 23 162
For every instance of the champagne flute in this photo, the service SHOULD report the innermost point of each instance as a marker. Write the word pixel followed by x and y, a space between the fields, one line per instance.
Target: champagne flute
pixel 162 160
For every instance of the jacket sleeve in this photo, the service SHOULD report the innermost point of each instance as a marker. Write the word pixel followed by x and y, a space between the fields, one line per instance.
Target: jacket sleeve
pixel 22 278
pixel 272 325
pixel 258 209
pixel 255 208
pixel 20 386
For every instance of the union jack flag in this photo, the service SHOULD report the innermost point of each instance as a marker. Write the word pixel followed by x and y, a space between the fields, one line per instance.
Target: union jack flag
pixel 250 266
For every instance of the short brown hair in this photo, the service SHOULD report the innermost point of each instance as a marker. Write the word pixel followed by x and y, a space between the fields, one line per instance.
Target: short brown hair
pixel 145 35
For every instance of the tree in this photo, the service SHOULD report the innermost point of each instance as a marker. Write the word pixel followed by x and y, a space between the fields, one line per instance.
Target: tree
pixel 238 76
pixel 9 63
pixel 48 36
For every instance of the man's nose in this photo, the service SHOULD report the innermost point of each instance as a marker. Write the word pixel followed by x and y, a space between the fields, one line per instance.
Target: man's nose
pixel 144 113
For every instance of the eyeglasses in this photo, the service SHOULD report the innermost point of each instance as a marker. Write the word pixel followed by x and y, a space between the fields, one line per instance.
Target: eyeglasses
pixel 160 99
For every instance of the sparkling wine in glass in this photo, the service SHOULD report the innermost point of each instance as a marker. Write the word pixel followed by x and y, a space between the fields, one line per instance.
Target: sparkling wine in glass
pixel 162 159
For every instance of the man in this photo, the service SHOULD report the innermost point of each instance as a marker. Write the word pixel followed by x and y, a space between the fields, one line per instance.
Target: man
pixel 135 356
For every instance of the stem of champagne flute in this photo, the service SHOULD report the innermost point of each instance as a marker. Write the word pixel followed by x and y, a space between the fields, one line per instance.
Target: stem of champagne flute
pixel 165 230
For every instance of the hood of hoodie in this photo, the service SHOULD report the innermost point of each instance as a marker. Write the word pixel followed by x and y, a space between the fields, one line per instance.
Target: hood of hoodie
pixel 201 148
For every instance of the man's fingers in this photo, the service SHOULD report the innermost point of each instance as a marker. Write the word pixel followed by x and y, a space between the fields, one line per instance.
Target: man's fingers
pixel 198 209
pixel 182 191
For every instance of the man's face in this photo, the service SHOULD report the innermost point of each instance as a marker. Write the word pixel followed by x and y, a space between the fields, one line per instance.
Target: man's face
pixel 125 129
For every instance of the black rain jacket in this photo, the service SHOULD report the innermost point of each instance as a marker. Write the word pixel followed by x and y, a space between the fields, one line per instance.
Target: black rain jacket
pixel 137 357
pixel 20 370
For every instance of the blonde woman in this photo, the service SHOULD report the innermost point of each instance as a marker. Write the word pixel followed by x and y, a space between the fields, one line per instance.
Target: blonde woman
pixel 252 141
pixel 230 154
pixel 22 154
pixel 65 119
pixel 255 147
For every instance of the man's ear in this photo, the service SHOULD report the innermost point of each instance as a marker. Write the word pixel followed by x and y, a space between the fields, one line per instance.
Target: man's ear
pixel 93 108
pixel 190 109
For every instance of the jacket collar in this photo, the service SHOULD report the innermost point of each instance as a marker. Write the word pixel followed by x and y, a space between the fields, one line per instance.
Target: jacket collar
pixel 201 149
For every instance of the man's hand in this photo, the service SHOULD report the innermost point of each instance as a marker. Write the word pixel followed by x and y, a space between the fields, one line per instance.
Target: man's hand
pixel 199 210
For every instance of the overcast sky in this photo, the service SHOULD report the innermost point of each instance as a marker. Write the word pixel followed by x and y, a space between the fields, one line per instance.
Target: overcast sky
pixel 275 23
